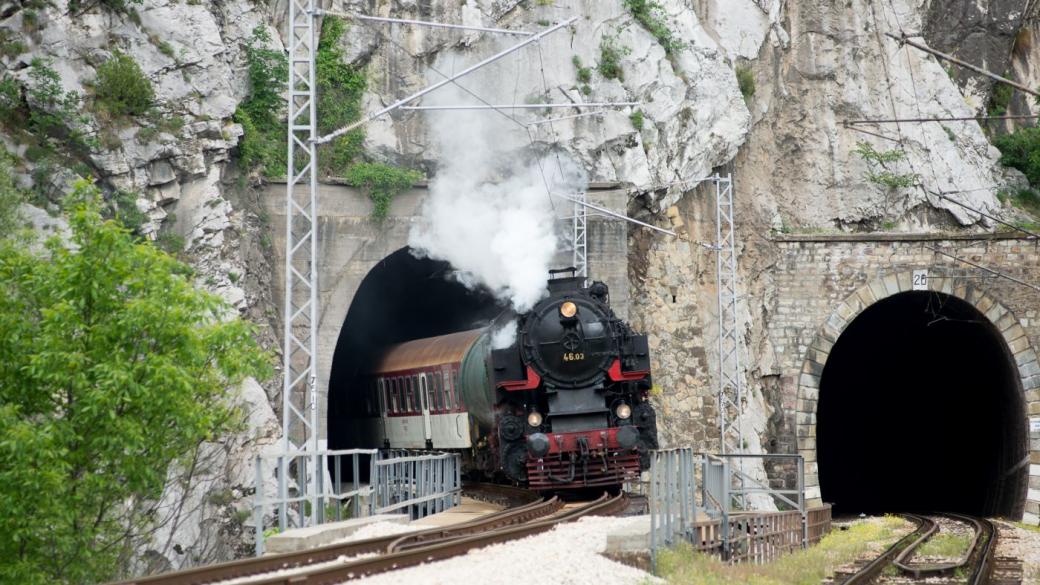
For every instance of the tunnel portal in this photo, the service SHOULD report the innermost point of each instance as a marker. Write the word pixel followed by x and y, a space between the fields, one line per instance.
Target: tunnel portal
pixel 403 297
pixel 921 408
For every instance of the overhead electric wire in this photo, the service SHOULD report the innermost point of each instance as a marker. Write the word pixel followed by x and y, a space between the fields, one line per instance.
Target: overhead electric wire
pixel 981 267
pixel 983 214
pixel 439 84
pixel 951 119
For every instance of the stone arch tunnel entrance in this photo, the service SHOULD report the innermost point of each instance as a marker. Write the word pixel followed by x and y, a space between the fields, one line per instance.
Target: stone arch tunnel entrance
pixel 921 408
pixel 403 297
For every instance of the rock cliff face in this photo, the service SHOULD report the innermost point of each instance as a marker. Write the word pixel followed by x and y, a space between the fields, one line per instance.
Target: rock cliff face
pixel 807 68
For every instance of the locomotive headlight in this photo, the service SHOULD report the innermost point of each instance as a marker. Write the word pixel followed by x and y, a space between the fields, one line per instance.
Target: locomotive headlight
pixel 534 419
pixel 623 411
pixel 568 309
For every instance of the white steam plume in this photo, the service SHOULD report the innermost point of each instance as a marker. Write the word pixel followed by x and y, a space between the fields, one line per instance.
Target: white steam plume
pixel 505 336
pixel 488 212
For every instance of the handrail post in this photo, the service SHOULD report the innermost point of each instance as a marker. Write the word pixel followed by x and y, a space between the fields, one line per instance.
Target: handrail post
pixel 258 507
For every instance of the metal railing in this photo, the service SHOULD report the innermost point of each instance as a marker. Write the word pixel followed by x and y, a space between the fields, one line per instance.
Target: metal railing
pixel 313 488
pixel 419 484
pixel 707 501
pixel 673 507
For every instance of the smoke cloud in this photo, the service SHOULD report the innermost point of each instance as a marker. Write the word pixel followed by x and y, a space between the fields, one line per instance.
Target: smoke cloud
pixel 505 336
pixel 488 212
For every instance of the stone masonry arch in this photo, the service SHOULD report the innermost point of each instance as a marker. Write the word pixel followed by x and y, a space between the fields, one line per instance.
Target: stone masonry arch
pixel 815 358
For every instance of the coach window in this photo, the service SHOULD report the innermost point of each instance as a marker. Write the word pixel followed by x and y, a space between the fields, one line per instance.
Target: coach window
pixel 398 396
pixel 417 397
pixel 437 389
pixel 456 391
pixel 413 383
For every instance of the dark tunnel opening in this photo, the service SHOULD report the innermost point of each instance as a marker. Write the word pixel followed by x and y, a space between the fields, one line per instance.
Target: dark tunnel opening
pixel 401 298
pixel 921 408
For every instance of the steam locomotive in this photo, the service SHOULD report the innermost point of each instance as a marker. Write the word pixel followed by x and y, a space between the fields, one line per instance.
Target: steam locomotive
pixel 563 407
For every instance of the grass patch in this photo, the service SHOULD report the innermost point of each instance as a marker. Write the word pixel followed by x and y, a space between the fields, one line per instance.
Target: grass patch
pixel 584 73
pixel 651 16
pixel 610 55
pixel 637 119
pixel 953 546
pixel 382 183
pixel 745 81
pixel 803 567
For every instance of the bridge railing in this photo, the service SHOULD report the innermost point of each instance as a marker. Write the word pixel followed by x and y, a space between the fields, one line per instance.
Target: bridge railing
pixel 312 488
pixel 717 505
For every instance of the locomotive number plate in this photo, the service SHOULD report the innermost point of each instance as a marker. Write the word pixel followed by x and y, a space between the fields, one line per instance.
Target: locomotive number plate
pixel 573 357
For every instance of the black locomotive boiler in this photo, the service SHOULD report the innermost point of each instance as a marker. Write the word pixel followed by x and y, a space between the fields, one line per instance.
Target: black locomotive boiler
pixel 564 406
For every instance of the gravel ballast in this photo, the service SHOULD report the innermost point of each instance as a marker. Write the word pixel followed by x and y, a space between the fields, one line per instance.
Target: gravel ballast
pixel 568 554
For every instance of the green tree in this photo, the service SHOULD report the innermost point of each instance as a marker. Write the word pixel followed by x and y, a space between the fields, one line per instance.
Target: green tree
pixel 121 87
pixel 1021 150
pixel 10 199
pixel 113 368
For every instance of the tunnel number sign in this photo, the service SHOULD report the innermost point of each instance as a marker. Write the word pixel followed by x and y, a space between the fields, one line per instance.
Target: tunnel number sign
pixel 920 280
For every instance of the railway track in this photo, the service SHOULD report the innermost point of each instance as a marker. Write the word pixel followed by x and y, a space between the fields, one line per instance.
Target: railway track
pixel 979 566
pixel 342 562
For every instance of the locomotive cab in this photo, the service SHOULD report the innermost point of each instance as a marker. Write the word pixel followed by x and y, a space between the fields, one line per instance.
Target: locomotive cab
pixel 572 392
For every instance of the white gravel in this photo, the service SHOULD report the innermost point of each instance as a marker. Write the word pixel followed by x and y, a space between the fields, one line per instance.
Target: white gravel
pixel 380 529
pixel 568 554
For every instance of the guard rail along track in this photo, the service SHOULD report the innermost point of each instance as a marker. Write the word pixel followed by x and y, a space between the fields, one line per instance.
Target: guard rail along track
pixel 977 564
pixel 394 552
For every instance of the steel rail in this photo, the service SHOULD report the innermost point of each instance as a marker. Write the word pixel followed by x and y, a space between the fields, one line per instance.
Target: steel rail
pixel 300 559
pixel 442 550
pixel 874 568
pixel 979 554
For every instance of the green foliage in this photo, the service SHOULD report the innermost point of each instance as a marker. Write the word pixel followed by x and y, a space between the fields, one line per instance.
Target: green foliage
pixel 584 73
pixel 113 368
pixel 637 119
pixel 11 105
pixel 340 89
pixel 1021 150
pixel 121 88
pixel 610 55
pixel 113 5
pixel 123 208
pixel 261 114
pixel 382 182
pixel 53 111
pixel 1000 99
pixel 879 171
pixel 650 14
pixel 745 81
pixel 1027 200
pixel 10 44
pixel 10 198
